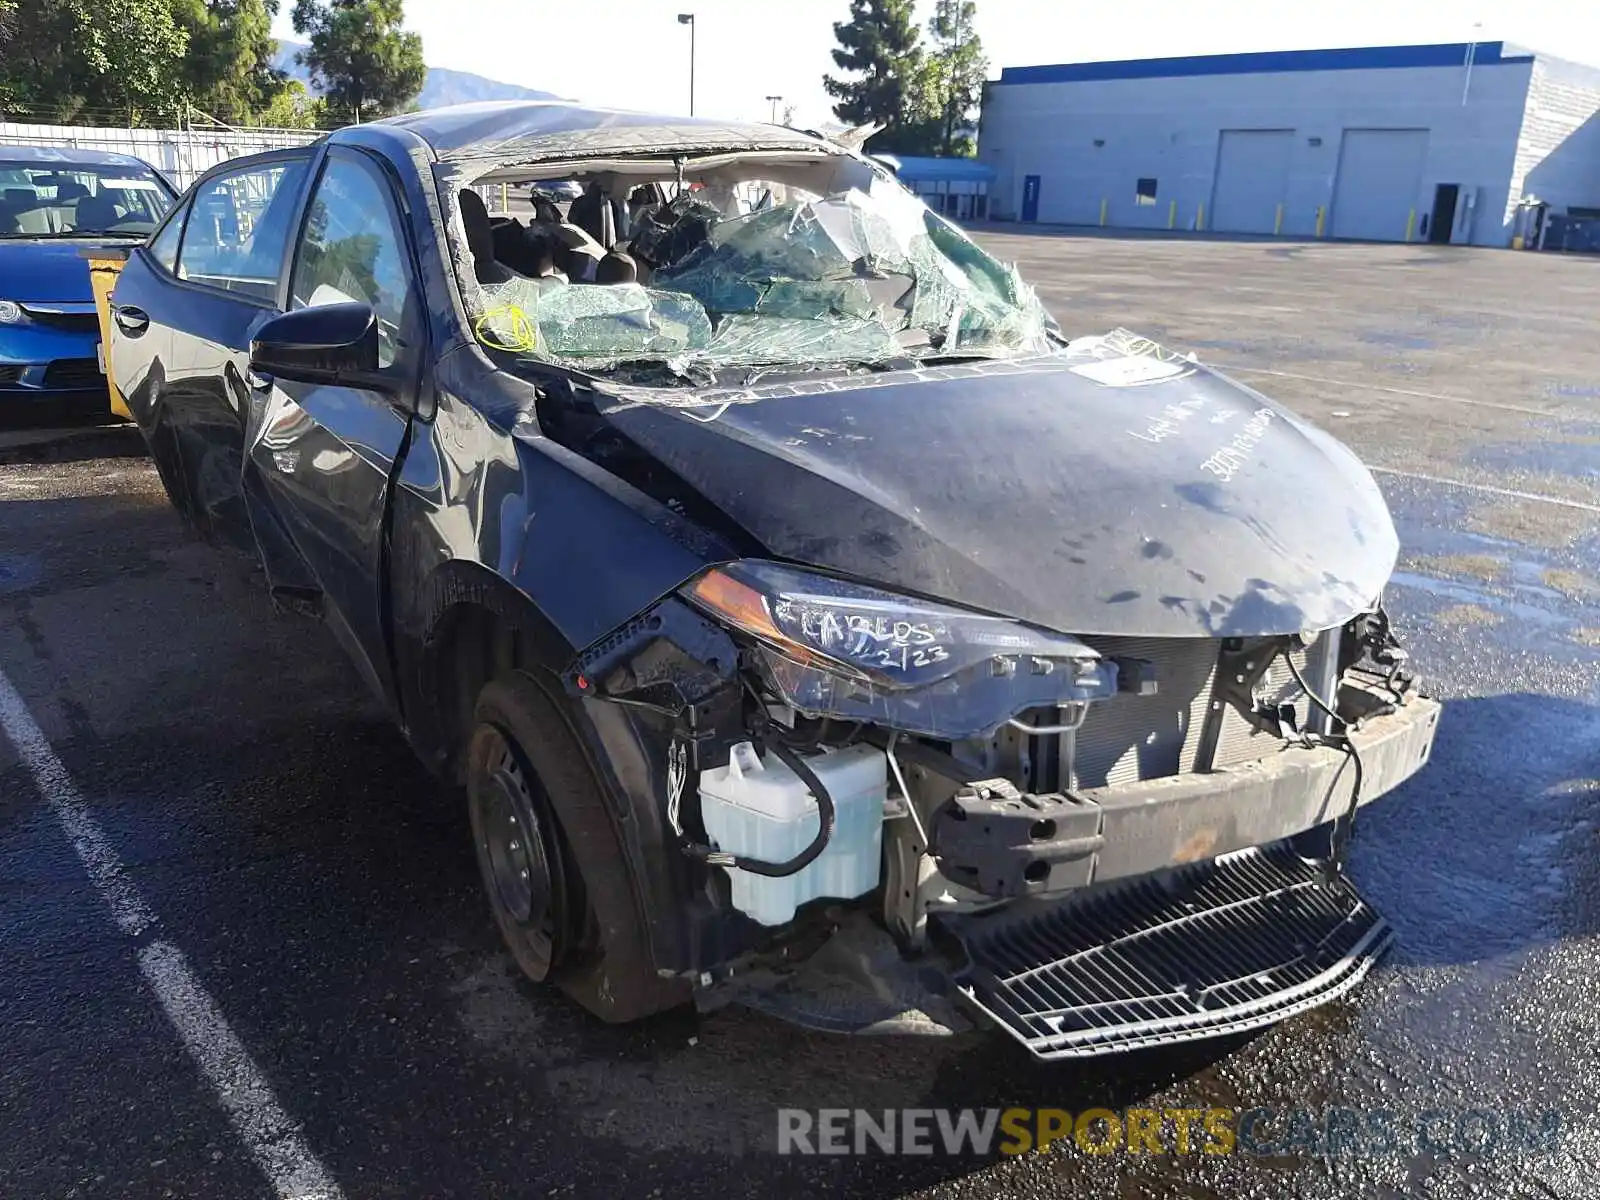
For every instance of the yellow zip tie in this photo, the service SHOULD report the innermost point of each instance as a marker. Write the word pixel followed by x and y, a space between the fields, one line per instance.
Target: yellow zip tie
pixel 523 337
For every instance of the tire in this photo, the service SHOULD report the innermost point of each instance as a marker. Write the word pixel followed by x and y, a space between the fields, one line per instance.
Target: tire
pixel 561 896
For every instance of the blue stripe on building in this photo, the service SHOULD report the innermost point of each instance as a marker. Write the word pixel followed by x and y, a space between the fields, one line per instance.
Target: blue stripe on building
pixel 1361 58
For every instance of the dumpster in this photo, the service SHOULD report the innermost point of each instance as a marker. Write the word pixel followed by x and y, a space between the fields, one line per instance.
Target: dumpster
pixel 105 263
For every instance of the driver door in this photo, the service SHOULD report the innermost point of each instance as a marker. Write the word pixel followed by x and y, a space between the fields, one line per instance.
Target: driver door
pixel 320 458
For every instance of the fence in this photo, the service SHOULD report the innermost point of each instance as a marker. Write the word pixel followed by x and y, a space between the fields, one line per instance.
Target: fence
pixel 183 154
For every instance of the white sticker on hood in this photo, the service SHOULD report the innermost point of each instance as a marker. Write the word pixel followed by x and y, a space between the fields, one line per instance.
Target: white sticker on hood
pixel 1125 372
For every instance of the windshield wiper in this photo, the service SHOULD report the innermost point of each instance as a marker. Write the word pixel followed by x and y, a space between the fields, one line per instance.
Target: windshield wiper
pixel 59 234
pixel 959 356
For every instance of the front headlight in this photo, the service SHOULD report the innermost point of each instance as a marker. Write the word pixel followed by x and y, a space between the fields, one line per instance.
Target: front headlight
pixel 831 647
pixel 11 313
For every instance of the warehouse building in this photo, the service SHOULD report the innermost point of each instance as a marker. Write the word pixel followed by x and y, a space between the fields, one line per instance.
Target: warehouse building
pixel 1462 143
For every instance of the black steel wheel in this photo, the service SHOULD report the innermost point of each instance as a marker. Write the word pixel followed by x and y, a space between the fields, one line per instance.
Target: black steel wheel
pixel 552 863
pixel 519 854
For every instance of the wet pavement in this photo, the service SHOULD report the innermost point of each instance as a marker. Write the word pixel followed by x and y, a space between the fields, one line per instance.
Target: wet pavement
pixel 322 889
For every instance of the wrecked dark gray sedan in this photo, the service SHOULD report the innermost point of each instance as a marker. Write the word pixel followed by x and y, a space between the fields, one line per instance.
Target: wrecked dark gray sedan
pixel 808 620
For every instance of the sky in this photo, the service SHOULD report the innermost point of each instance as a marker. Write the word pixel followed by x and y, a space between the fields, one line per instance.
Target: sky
pixel 634 54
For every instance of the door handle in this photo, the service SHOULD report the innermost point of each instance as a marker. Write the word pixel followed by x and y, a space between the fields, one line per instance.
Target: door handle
pixel 131 320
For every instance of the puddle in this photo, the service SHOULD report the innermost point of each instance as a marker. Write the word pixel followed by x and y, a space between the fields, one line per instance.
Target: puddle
pixel 1462 593
pixel 1542 457
pixel 1582 391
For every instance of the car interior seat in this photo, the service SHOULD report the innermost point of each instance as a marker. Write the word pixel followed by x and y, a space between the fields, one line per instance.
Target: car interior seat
pixel 617 267
pixel 506 236
pixel 96 212
pixel 27 215
pixel 480 239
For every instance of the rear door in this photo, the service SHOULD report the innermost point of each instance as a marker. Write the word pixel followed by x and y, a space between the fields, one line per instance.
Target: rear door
pixel 320 457
pixel 183 313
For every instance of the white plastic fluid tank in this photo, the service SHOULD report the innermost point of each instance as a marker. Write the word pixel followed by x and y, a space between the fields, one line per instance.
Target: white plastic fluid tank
pixel 758 808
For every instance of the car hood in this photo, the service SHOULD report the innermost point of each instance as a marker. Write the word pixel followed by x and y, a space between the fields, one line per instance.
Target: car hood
pixel 1160 499
pixel 45 270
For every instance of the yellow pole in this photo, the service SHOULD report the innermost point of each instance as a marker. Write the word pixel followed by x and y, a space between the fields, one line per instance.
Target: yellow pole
pixel 104 267
pixel 1103 203
pixel 504 207
pixel 1411 222
pixel 1322 214
pixel 1277 222
pixel 1200 218
pixel 1172 216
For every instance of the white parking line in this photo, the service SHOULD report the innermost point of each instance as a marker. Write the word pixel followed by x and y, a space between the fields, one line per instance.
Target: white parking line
pixel 1485 487
pixel 272 1137
pixel 1393 391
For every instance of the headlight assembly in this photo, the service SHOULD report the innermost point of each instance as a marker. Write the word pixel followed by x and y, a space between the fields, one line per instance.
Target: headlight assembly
pixel 831 647
pixel 11 313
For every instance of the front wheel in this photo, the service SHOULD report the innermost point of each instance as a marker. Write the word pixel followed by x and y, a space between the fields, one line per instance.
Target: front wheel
pixel 555 875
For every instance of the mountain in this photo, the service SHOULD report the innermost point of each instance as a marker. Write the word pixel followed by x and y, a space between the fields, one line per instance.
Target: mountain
pixel 442 87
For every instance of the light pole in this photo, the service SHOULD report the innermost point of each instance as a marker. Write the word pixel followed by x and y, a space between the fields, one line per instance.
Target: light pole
pixel 773 100
pixel 688 19
pixel 1472 54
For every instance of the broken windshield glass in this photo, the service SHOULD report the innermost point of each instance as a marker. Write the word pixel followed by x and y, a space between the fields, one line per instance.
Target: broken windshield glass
pixel 594 323
pixel 767 275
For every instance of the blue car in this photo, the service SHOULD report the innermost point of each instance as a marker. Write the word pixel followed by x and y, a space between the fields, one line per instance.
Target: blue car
pixel 53 204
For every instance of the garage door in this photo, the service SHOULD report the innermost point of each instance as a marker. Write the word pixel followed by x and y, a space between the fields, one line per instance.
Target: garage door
pixel 1252 179
pixel 1380 174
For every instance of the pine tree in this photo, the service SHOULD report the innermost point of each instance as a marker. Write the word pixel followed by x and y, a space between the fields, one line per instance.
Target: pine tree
pixel 879 46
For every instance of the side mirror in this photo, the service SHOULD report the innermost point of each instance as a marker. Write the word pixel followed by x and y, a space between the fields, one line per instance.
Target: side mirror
pixel 329 343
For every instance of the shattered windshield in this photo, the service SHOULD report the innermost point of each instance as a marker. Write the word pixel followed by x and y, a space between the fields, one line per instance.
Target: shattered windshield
pixel 722 281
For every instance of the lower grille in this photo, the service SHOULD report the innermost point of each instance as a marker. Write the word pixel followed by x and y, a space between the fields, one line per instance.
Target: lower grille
pixel 73 373
pixel 10 375
pixel 1212 948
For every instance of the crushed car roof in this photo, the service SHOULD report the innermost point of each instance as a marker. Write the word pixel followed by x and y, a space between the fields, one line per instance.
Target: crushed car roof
pixel 547 128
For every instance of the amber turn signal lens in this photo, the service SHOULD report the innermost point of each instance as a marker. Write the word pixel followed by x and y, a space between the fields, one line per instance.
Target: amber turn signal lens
pixel 745 608
pixel 737 603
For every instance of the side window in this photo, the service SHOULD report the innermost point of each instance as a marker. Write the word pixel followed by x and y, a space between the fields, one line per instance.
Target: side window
pixel 164 246
pixel 238 228
pixel 352 248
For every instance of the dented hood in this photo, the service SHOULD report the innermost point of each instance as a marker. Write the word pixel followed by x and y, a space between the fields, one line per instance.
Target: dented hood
pixel 1129 496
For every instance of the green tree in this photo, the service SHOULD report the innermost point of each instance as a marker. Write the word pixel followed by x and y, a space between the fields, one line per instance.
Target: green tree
pixel 95 60
pixel 957 74
pixel 229 68
pixel 8 25
pixel 879 52
pixel 294 108
pixel 361 59
pixel 136 48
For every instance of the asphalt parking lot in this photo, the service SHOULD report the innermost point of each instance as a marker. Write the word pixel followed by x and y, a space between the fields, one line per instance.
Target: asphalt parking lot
pixel 311 900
